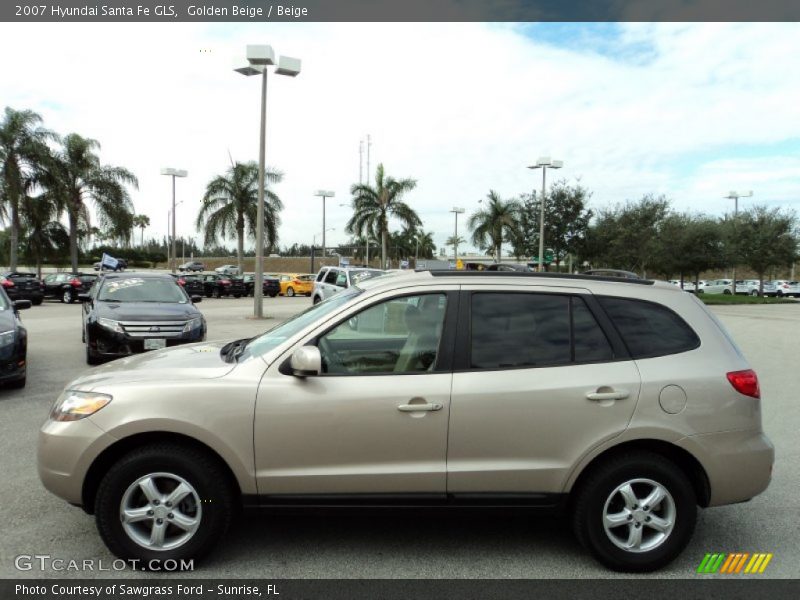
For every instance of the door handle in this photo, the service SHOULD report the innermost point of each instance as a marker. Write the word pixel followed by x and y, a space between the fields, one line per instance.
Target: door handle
pixel 613 395
pixel 419 407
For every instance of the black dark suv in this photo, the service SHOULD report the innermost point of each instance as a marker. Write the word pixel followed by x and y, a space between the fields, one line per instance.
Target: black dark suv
pixel 22 286
pixel 217 286
pixel 271 287
pixel 66 286
pixel 192 283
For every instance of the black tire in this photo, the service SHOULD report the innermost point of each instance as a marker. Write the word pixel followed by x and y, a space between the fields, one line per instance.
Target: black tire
pixel 237 295
pixel 68 297
pixel 597 489
pixel 17 384
pixel 726 292
pixel 37 301
pixel 754 293
pixel 316 300
pixel 91 357
pixel 290 292
pixel 202 471
pixel 273 294
pixel 216 293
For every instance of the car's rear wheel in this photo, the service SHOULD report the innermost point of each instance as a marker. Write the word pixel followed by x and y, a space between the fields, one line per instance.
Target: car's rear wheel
pixel 67 297
pixel 316 300
pixel 754 292
pixel 726 292
pixel 164 502
pixel 290 292
pixel 216 293
pixel 37 301
pixel 273 294
pixel 635 512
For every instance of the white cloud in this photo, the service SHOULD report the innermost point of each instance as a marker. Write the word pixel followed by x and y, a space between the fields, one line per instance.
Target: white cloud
pixel 460 107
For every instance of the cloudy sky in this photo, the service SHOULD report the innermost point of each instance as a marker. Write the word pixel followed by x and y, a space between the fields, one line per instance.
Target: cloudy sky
pixel 690 111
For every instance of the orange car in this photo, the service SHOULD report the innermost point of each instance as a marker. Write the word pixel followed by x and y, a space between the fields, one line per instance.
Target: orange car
pixel 293 284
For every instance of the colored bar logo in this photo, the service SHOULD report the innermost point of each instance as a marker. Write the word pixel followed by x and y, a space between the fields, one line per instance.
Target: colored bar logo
pixel 734 563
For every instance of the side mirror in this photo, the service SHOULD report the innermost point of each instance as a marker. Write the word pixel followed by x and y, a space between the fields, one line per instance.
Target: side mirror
pixel 196 299
pixel 84 297
pixel 22 304
pixel 306 362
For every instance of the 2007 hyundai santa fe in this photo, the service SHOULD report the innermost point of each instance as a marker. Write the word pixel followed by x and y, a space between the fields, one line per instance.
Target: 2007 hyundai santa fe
pixel 624 402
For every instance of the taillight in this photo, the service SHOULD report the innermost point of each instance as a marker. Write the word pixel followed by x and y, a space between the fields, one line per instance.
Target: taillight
pixel 75 282
pixel 745 382
pixel 225 282
pixel 296 282
pixel 7 283
pixel 181 282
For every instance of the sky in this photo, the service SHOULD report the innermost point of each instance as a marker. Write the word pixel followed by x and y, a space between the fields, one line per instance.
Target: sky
pixel 690 111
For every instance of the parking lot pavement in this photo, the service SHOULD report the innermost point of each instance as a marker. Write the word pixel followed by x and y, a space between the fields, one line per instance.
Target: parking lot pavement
pixel 399 543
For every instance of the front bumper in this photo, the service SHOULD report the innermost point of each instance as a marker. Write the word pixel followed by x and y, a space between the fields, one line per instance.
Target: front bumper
pixel 65 451
pixel 107 344
pixel 738 463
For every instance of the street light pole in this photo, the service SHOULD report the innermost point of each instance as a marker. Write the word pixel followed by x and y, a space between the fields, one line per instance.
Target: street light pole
pixel 173 173
pixel 259 58
pixel 314 243
pixel 456 211
pixel 324 194
pixel 735 197
pixel 543 163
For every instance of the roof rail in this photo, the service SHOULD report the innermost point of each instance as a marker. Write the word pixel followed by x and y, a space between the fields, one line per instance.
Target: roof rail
pixel 520 274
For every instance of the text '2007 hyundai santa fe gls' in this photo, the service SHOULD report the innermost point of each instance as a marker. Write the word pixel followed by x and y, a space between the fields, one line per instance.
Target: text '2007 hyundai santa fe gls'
pixel 623 402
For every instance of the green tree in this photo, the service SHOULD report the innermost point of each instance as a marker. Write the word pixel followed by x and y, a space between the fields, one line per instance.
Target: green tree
pixel 79 180
pixel 767 238
pixel 42 234
pixel 23 152
pixel 495 223
pixel 424 244
pixel 373 205
pixel 626 236
pixel 230 206
pixel 142 222
pixel 566 220
pixel 453 241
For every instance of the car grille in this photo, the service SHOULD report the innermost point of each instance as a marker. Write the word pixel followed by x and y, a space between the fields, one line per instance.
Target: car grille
pixel 161 329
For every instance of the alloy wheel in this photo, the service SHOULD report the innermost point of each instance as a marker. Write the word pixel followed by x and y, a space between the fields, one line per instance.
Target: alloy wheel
pixel 639 515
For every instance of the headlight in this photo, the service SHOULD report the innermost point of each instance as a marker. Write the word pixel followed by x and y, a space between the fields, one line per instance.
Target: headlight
pixel 192 324
pixel 110 324
pixel 6 338
pixel 72 405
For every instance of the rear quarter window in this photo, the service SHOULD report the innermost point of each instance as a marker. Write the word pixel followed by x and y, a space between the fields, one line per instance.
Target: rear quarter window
pixel 649 329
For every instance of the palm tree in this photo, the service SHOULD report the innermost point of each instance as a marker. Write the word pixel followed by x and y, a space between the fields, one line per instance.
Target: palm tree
pixel 77 177
pixel 23 151
pixel 426 248
pixel 491 225
pixel 142 222
pixel 453 241
pixel 373 205
pixel 231 203
pixel 42 233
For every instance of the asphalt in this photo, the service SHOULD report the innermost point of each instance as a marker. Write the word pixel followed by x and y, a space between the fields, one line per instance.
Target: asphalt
pixel 394 544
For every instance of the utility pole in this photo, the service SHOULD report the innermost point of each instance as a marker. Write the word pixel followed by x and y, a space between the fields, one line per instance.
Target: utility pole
pixel 735 197
pixel 360 161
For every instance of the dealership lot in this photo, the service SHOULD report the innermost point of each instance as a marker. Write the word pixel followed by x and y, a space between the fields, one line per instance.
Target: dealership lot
pixel 397 543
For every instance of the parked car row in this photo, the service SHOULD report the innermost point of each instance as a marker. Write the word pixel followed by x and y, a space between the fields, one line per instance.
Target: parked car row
pixel 749 287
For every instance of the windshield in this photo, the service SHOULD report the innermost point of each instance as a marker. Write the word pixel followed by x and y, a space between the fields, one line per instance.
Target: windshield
pixel 280 333
pixel 357 275
pixel 137 289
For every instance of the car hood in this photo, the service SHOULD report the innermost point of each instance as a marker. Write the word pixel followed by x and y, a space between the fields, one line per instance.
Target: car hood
pixel 146 311
pixel 190 361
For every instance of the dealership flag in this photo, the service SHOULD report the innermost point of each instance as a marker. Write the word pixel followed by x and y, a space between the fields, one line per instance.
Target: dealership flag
pixel 109 261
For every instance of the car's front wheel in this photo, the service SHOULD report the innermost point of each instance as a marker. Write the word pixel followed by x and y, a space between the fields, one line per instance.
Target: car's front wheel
pixel 164 502
pixel 67 297
pixel 635 512
pixel 290 292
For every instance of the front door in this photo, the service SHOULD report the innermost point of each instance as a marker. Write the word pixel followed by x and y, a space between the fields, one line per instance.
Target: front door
pixel 375 421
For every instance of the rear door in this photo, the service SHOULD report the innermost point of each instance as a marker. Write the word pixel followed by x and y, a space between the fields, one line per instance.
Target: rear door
pixel 541 377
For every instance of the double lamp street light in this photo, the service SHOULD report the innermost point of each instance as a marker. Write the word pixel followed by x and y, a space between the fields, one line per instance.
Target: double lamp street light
pixel 259 58
pixel 544 163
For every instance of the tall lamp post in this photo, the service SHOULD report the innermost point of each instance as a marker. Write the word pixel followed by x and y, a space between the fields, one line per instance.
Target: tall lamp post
pixel 735 197
pixel 543 164
pixel 259 58
pixel 323 194
pixel 456 211
pixel 314 243
pixel 171 223
pixel 173 173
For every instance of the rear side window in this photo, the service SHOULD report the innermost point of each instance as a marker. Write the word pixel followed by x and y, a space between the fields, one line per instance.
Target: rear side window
pixel 649 329
pixel 591 343
pixel 520 330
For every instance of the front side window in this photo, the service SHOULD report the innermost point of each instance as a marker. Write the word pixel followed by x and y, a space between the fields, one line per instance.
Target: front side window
pixel 397 336
pixel 331 277
pixel 321 275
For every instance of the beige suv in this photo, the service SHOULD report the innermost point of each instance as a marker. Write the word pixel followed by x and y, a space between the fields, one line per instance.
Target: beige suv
pixel 624 402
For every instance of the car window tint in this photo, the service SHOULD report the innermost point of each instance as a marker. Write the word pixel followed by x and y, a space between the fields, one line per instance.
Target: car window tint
pixel 331 277
pixel 649 329
pixel 590 342
pixel 321 275
pixel 341 279
pixel 397 336
pixel 519 330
